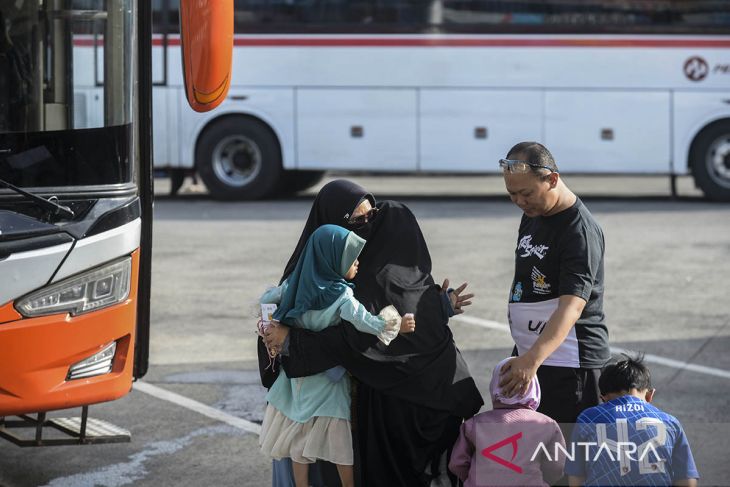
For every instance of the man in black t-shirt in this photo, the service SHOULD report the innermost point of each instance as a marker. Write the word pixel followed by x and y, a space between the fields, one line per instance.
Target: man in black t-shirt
pixel 556 300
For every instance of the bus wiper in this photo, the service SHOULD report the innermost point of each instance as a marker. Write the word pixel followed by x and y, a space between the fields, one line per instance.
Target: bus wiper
pixel 48 204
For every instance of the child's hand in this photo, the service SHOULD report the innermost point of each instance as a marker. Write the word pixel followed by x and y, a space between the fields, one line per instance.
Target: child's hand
pixel 273 337
pixel 458 301
pixel 407 323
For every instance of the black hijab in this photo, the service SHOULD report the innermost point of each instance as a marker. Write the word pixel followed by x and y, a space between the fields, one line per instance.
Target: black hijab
pixel 424 367
pixel 334 204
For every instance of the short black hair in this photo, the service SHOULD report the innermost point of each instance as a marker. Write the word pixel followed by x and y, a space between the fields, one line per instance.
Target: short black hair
pixel 534 153
pixel 626 374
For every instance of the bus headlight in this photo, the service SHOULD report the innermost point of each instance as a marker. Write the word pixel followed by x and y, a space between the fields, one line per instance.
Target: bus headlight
pixel 95 289
pixel 98 364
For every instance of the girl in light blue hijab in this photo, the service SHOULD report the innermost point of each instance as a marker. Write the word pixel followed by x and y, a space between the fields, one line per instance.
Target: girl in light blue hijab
pixel 308 418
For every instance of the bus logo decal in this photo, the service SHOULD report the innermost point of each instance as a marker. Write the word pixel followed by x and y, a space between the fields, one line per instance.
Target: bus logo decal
pixel 696 68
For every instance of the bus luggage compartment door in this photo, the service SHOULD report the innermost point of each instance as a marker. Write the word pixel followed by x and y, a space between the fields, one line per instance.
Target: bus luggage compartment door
pixel 356 129
pixel 469 130
pixel 608 131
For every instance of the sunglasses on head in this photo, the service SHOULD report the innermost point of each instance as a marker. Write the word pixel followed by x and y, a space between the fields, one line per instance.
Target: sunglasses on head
pixel 364 218
pixel 516 166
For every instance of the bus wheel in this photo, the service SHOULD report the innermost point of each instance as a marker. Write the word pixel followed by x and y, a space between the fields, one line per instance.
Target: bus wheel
pixel 239 158
pixel 710 160
pixel 295 181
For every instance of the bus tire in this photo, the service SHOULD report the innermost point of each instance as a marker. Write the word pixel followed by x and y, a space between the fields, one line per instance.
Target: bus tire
pixel 709 158
pixel 239 158
pixel 295 181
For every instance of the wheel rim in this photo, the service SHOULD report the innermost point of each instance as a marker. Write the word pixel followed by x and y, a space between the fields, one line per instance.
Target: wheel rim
pixel 718 160
pixel 237 160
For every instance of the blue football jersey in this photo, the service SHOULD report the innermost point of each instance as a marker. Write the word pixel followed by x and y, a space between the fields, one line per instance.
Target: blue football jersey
pixel 627 441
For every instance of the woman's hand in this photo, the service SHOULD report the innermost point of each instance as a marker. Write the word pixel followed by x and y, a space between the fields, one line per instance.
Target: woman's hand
pixel 275 335
pixel 407 323
pixel 457 300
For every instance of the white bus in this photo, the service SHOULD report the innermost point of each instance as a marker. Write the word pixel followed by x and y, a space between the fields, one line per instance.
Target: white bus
pixel 439 86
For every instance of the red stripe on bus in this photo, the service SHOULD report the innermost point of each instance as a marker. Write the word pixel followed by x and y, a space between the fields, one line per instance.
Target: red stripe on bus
pixel 466 42
pixel 80 42
pixel 446 42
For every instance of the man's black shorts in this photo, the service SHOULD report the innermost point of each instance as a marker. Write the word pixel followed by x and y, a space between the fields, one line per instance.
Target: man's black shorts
pixel 566 392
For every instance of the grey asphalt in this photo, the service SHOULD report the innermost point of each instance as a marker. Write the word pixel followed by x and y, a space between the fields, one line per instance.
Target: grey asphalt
pixel 667 287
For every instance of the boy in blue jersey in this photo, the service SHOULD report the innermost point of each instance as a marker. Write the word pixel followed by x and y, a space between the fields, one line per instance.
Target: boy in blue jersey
pixel 626 441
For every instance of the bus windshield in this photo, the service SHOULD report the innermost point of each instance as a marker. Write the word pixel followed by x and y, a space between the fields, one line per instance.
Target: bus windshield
pixel 66 112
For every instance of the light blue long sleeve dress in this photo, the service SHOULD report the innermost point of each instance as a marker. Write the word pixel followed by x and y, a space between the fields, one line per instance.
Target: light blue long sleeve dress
pixel 291 427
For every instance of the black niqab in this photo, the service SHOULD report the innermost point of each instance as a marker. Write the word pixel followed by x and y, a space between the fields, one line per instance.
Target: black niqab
pixel 334 204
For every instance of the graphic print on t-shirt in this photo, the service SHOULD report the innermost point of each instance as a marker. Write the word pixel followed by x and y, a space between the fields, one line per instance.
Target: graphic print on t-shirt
pixel 517 294
pixel 539 286
pixel 528 249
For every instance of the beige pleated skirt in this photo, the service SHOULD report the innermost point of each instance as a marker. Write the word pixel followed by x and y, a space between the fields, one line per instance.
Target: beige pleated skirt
pixel 320 438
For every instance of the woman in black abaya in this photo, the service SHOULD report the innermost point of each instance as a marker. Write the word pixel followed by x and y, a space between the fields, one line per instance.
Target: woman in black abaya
pixel 413 394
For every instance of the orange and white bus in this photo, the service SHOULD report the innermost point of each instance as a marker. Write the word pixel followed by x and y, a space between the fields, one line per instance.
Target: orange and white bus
pixel 75 209
pixel 448 86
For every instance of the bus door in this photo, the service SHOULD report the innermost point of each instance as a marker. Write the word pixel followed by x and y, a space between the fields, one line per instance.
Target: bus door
pixel 76 195
pixel 75 214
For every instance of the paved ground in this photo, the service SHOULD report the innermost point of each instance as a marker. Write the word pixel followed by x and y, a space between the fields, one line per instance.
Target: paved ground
pixel 667 294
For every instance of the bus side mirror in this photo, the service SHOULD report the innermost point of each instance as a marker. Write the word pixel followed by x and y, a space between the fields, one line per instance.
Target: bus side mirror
pixel 206 33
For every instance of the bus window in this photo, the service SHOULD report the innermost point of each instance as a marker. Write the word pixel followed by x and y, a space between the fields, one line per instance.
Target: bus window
pixel 482 16
pixel 165 16
pixel 578 17
pixel 65 111
pixel 332 16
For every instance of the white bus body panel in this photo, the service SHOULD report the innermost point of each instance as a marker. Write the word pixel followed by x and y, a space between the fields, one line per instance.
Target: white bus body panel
pixel 158 61
pixel 450 120
pixel 564 67
pixel 24 272
pixel 638 123
pixel 167 144
pixel 162 127
pixel 386 117
pixel 692 112
pixel 96 250
pixel 90 112
pixel 84 65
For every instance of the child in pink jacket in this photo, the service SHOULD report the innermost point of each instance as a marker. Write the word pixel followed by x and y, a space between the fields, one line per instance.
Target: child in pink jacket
pixel 512 444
